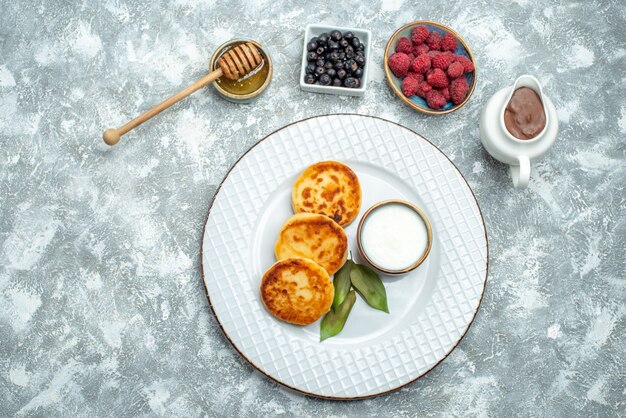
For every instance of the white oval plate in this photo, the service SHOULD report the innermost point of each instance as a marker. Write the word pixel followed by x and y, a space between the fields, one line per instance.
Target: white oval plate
pixel 431 308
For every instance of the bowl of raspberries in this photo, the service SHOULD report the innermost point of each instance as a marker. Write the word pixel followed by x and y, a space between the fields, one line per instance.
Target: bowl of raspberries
pixel 430 67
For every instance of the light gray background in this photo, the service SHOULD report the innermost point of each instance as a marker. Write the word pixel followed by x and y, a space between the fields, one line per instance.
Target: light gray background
pixel 102 307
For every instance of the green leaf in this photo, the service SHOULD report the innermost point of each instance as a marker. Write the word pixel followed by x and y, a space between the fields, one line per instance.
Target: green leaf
pixel 342 284
pixel 369 286
pixel 333 322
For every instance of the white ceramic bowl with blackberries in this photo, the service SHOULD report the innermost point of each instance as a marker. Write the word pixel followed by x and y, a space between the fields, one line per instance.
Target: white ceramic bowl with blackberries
pixel 335 60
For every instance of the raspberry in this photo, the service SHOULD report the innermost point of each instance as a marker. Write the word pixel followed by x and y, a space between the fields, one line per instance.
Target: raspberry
pixel 421 64
pixel 448 43
pixel 468 66
pixel 421 49
pixel 441 61
pixel 434 40
pixel 417 76
pixel 409 86
pixel 458 90
pixel 445 92
pixel 451 55
pixel 419 34
pixel 435 99
pixel 432 53
pixel 423 88
pixel 404 45
pixel 411 56
pixel 399 63
pixel 437 78
pixel 455 70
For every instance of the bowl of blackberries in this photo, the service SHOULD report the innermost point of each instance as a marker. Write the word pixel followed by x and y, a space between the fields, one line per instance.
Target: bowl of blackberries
pixel 335 60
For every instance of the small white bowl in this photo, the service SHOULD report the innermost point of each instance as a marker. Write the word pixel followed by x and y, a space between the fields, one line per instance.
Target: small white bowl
pixel 365 36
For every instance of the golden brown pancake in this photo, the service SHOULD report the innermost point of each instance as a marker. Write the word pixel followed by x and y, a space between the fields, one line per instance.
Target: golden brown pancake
pixel 313 236
pixel 297 290
pixel 328 188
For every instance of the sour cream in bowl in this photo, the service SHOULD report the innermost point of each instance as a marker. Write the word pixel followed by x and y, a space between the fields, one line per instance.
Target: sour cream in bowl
pixel 394 236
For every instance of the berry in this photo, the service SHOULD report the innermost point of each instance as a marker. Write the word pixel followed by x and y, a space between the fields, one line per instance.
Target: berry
pixel 336 82
pixel 335 35
pixel 356 42
pixel 441 61
pixel 358 73
pixel 421 49
pixel 434 40
pixel 325 80
pixel 417 76
pixel 421 64
pixel 409 86
pixel 404 45
pixel 310 79
pixel 399 63
pixel 448 43
pixel 458 90
pixel 445 92
pixel 331 72
pixel 360 60
pixel 435 99
pixel 351 83
pixel 468 66
pixel 419 34
pixel 344 43
pixel 348 35
pixel 437 78
pixel 320 70
pixel 311 46
pixel 432 53
pixel 341 74
pixel 423 88
pixel 311 56
pixel 322 39
pixel 310 68
pixel 455 70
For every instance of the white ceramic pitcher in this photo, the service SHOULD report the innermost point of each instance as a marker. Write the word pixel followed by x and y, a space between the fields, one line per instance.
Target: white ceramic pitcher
pixel 503 146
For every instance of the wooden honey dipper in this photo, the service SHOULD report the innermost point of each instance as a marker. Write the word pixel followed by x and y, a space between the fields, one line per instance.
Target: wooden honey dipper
pixel 233 64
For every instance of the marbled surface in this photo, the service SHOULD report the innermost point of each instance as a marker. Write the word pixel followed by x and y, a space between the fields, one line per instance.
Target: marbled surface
pixel 102 307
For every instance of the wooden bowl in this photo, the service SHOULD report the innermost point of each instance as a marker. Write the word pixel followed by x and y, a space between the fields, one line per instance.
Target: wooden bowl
pixel 415 101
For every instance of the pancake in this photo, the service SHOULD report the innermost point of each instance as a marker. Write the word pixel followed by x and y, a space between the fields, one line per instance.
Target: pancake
pixel 328 188
pixel 313 236
pixel 297 290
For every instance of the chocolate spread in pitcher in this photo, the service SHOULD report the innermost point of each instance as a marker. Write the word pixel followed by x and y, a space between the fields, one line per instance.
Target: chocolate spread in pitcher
pixel 524 117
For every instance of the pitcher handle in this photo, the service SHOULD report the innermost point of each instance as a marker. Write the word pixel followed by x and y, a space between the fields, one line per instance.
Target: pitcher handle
pixel 521 173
